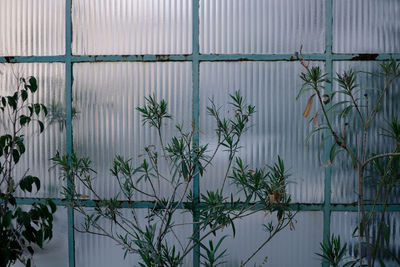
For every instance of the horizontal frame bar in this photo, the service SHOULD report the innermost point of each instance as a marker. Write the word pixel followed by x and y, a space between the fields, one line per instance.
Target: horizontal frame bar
pixel 150 204
pixel 204 57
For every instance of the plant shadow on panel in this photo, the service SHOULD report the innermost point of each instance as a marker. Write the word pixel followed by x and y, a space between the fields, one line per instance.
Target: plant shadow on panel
pixel 176 163
pixel 21 229
pixel 360 124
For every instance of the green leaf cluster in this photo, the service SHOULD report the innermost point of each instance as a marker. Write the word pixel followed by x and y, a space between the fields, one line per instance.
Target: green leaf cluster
pixel 174 166
pixel 20 229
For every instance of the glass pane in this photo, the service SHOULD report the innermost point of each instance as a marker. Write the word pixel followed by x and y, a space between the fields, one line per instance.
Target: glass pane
pixel 277 128
pixel 98 251
pixel 105 98
pixel 344 176
pixel 366 26
pixel 32 27
pixel 39 147
pixel 132 27
pixel 288 248
pixel 277 26
pixel 344 223
pixel 55 251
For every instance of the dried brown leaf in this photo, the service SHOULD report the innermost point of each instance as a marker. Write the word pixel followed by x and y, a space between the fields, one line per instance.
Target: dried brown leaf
pixel 271 199
pixel 307 110
pixel 315 120
pixel 327 164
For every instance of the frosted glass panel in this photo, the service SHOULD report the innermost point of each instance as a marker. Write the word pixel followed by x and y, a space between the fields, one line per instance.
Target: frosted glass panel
pixel 277 128
pixel 132 27
pixel 344 181
pixel 32 27
pixel 106 96
pixel 288 248
pixel 366 26
pixel 258 26
pixel 97 251
pixel 344 223
pixel 39 148
pixel 55 251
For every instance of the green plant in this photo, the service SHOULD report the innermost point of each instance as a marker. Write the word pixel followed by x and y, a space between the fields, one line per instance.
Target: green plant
pixel 264 189
pixel 334 253
pixel 350 112
pixel 20 228
pixel 211 257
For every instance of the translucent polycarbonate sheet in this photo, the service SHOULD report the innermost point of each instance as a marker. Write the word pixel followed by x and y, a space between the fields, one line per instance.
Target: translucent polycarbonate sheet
pixel 344 176
pixel 366 26
pixel 290 247
pixel 259 27
pixel 32 27
pixel 277 128
pixel 55 251
pixel 99 251
pixel 131 27
pixel 39 147
pixel 105 97
pixel 344 223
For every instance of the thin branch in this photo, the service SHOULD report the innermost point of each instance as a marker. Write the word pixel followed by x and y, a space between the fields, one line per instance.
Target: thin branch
pixel 379 156
pixel 279 227
pixel 375 109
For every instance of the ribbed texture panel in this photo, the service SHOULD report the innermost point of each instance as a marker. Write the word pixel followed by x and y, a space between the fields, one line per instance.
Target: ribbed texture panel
pixel 106 96
pixel 54 252
pixel 32 27
pixel 261 26
pixel 105 27
pixel 39 147
pixel 96 251
pixel 344 177
pixel 366 26
pixel 302 242
pixel 344 223
pixel 277 128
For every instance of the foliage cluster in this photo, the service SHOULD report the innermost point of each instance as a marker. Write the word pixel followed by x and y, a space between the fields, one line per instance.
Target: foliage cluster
pixel 20 228
pixel 352 116
pixel 150 237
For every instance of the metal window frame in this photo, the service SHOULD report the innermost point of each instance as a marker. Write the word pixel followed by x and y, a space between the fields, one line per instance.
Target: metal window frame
pixel 195 58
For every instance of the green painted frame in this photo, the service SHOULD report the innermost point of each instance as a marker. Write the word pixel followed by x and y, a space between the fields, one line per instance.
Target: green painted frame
pixel 328 57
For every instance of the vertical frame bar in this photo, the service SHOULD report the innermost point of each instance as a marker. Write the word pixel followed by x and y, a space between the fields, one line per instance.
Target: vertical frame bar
pixel 327 172
pixel 68 103
pixel 196 119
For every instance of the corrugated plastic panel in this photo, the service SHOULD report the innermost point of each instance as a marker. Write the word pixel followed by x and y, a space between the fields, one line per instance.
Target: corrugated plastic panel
pixel 99 251
pixel 106 96
pixel 258 26
pixel 344 177
pixel 32 27
pixel 277 128
pixel 366 26
pixel 131 27
pixel 40 148
pixel 344 223
pixel 302 242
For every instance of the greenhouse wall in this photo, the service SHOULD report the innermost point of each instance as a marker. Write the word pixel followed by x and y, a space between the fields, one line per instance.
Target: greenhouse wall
pixel 97 60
